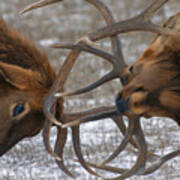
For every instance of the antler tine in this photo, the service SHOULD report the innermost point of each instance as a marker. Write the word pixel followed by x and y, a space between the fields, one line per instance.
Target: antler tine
pixel 59 147
pixel 108 17
pixel 108 168
pixel 94 117
pixel 60 142
pixel 151 10
pixel 59 84
pixel 161 161
pixel 90 114
pixel 61 138
pixel 57 153
pixel 70 117
pixel 84 47
pixel 141 161
pixel 76 132
pixel 102 115
pixel 109 76
pixel 140 22
pixel 125 141
pixel 142 146
pixel 120 123
pixel 46 135
pixel 38 4
pixel 97 115
pixel 77 148
pixel 147 171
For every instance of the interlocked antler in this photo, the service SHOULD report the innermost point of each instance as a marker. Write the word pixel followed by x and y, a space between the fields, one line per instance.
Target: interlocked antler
pixel 115 44
pixel 141 22
pixel 67 67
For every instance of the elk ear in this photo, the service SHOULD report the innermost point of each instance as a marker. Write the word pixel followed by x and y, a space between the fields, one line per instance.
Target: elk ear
pixel 19 77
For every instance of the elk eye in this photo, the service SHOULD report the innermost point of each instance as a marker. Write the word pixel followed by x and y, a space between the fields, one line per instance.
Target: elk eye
pixel 139 89
pixel 18 109
pixel 131 69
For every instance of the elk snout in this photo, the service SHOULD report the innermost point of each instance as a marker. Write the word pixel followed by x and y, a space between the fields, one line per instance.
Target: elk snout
pixel 134 101
pixel 122 105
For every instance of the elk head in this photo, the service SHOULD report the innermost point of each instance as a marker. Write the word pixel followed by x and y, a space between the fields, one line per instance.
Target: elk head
pixel 25 77
pixel 152 84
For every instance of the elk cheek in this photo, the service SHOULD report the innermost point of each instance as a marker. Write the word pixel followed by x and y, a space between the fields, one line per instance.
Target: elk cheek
pixel 170 99
pixel 138 103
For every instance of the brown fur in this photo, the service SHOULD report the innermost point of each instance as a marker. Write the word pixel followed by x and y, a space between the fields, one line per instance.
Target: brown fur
pixel 25 77
pixel 153 82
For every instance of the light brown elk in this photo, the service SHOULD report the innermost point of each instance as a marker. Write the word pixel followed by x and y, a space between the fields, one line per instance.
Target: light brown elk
pixel 153 82
pixel 50 100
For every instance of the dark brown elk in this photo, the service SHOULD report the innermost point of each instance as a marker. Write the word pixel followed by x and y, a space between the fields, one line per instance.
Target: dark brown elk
pixel 25 77
pixel 50 98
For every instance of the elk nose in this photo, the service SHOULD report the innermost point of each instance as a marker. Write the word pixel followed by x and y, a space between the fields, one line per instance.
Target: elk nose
pixel 122 104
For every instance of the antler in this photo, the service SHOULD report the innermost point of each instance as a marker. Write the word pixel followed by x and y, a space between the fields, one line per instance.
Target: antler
pixel 51 100
pixel 141 22
pixel 147 171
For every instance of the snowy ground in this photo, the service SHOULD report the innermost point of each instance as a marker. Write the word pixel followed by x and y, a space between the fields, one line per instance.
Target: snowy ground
pixel 67 22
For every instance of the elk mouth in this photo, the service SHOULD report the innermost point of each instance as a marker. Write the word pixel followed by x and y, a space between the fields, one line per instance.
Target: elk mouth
pixel 25 128
pixel 133 103
pixel 4 147
pixel 9 141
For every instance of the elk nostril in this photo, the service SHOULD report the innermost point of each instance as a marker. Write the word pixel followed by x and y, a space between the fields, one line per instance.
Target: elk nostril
pixel 122 105
pixel 131 69
pixel 119 97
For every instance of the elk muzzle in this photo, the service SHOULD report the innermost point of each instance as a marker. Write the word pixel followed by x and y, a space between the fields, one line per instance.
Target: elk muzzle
pixel 123 105
pixel 134 102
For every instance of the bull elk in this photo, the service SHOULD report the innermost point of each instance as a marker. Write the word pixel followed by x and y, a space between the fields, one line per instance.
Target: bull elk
pixel 25 75
pixel 159 65
pixel 36 100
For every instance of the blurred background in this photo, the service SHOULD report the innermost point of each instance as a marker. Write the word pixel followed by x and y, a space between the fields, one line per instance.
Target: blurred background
pixel 67 22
